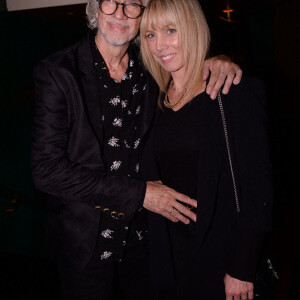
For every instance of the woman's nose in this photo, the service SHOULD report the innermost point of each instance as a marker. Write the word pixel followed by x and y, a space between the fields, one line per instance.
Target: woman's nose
pixel 161 43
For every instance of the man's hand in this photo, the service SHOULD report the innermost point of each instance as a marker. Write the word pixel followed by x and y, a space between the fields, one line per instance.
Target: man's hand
pixel 221 68
pixel 238 290
pixel 162 200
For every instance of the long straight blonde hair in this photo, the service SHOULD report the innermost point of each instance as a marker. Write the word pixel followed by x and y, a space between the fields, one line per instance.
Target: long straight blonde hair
pixel 188 19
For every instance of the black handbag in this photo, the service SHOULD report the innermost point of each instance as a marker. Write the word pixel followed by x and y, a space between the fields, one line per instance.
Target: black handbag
pixel 266 276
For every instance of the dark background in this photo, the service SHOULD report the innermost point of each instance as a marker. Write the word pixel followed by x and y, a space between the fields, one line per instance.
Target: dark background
pixel 264 41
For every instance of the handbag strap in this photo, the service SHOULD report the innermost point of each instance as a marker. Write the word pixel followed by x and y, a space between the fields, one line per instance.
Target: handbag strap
pixel 229 152
pixel 268 261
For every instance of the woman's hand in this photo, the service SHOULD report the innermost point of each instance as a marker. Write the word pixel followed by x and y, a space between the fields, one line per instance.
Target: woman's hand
pixel 221 69
pixel 163 200
pixel 238 290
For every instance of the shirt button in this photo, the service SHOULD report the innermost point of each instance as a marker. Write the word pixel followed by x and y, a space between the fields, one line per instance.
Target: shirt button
pixel 113 214
pixel 121 215
pixel 126 227
pixel 120 260
pixel 124 243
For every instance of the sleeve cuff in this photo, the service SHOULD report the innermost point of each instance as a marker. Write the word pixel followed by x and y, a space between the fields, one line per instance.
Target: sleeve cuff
pixel 142 197
pixel 244 262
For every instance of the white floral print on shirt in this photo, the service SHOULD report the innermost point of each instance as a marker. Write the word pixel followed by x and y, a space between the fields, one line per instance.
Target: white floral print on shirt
pixel 139 234
pixel 137 167
pixel 136 143
pixel 106 255
pixel 135 90
pixel 107 234
pixel 138 109
pixel 124 103
pixel 117 122
pixel 116 165
pixel 113 142
pixel 115 101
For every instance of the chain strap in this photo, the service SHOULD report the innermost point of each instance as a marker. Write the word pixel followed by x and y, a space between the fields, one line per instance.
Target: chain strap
pixel 229 152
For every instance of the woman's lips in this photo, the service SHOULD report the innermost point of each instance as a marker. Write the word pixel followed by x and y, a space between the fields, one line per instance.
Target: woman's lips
pixel 167 58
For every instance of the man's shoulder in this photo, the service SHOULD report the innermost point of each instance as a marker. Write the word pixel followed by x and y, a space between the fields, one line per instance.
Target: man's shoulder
pixel 65 58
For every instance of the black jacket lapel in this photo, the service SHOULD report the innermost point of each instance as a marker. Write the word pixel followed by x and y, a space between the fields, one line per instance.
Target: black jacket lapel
pixel 90 87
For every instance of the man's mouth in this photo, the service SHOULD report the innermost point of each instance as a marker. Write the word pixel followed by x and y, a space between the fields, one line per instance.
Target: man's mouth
pixel 118 26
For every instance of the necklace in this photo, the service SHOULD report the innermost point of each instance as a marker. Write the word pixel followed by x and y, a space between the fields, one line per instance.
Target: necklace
pixel 167 102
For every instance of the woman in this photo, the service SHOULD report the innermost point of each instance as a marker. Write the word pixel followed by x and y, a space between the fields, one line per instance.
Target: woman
pixel 216 256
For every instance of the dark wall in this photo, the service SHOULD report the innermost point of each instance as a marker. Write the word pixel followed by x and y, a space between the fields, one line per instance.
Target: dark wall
pixel 26 38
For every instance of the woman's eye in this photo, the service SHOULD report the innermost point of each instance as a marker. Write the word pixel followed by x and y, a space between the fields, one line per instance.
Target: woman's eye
pixel 171 30
pixel 149 35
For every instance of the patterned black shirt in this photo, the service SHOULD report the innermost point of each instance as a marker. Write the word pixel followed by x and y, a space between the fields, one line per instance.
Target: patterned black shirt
pixel 121 105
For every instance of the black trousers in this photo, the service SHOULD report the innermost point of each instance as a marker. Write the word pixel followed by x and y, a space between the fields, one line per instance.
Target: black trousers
pixel 125 276
pixel 126 279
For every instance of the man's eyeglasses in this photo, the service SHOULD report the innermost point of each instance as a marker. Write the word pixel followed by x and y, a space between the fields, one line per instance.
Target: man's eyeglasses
pixel 130 10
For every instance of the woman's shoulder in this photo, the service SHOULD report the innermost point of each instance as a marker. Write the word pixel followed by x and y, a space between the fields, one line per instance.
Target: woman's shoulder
pixel 251 81
pixel 248 84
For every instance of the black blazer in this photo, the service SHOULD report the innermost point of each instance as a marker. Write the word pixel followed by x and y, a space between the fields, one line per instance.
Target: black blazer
pixel 67 159
pixel 224 237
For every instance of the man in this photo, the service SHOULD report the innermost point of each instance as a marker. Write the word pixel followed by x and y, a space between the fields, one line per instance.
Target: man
pixel 94 108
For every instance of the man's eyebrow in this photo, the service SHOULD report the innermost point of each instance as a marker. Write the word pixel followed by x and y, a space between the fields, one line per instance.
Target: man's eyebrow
pixel 138 1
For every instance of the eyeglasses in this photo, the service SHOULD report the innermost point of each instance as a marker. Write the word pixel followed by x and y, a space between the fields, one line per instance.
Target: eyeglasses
pixel 130 10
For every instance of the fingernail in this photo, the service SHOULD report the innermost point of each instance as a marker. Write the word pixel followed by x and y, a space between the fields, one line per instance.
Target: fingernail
pixel 187 222
pixel 225 91
pixel 213 95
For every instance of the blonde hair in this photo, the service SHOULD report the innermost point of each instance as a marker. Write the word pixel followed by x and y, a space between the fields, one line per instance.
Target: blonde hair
pixel 189 21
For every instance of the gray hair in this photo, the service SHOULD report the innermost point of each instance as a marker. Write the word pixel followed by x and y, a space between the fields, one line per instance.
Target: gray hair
pixel 91 10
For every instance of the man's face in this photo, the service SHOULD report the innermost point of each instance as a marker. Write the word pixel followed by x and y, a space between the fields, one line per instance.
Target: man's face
pixel 117 29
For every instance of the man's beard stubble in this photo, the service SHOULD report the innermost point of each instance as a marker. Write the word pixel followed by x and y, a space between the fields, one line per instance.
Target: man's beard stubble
pixel 116 41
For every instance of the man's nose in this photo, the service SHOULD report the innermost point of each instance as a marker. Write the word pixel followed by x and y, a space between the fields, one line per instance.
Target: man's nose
pixel 119 14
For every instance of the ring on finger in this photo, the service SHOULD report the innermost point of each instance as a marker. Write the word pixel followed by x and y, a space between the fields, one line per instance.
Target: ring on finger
pixel 172 210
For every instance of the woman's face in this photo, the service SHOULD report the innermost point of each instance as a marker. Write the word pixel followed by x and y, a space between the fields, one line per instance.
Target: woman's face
pixel 165 47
